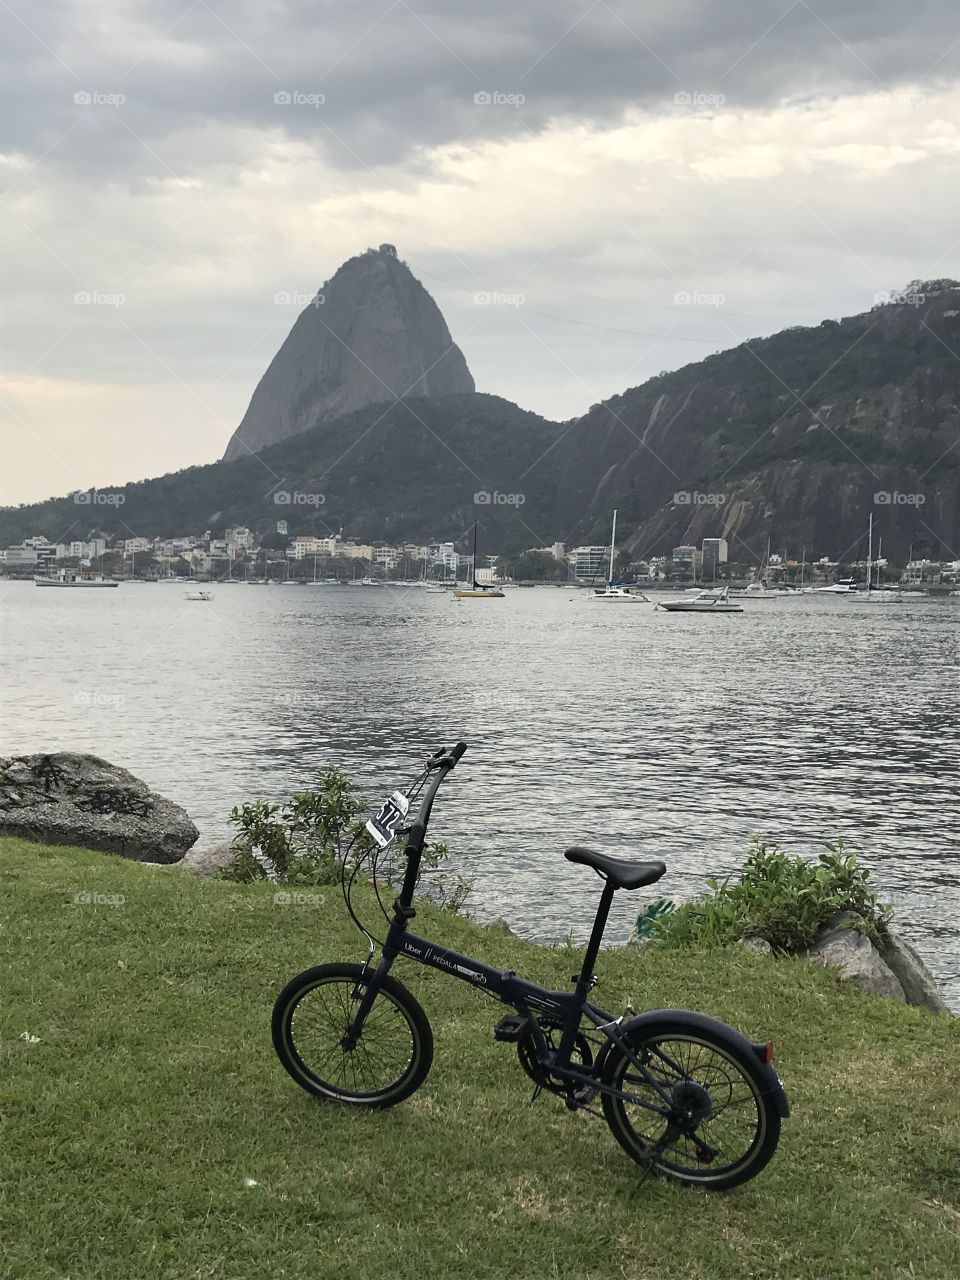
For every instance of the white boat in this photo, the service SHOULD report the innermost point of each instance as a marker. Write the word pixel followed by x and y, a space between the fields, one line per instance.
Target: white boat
pixel 370 582
pixel 760 591
pixel 618 595
pixel 843 588
pixel 615 592
pixel 199 595
pixel 439 590
pixel 67 578
pixel 711 600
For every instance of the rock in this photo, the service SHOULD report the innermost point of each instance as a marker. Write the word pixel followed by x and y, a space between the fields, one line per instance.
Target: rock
pixel 70 798
pixel 918 983
pixel 209 861
pixel 760 946
pixel 502 926
pixel 372 335
pixel 843 946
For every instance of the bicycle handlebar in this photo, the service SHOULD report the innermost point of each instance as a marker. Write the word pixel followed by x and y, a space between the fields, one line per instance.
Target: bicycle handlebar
pixel 444 759
pixel 440 764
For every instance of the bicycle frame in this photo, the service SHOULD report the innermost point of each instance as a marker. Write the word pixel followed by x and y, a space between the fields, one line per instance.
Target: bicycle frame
pixel 566 1008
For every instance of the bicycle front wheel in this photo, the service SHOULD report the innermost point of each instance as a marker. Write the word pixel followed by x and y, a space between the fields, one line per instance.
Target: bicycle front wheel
pixel 391 1058
pixel 725 1123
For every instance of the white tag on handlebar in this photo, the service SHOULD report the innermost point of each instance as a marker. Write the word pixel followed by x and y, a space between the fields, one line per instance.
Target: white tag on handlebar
pixel 383 825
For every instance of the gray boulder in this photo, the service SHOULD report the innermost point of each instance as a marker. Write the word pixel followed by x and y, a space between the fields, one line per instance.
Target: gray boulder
pixel 70 798
pixel 759 946
pixel 844 946
pixel 918 983
pixel 208 861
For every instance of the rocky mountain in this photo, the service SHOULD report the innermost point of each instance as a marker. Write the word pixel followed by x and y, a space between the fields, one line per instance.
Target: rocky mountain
pixel 796 437
pixel 417 469
pixel 371 335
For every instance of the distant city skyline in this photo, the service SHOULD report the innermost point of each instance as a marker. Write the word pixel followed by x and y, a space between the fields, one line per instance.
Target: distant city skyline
pixel 590 193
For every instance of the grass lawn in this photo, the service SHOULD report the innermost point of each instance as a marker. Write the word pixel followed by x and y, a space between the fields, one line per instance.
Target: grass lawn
pixel 149 1131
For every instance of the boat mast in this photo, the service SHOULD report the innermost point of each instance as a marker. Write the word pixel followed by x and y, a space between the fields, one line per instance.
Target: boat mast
pixel 613 546
pixel 473 566
pixel 869 548
pixel 879 558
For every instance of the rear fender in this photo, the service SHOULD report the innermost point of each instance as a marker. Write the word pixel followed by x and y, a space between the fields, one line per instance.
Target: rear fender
pixel 756 1053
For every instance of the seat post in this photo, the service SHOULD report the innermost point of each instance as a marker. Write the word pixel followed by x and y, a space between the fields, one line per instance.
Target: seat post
pixel 584 980
pixel 596 936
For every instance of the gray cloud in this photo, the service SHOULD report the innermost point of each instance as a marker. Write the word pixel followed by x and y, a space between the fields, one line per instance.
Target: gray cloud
pixel 199 197
pixel 398 76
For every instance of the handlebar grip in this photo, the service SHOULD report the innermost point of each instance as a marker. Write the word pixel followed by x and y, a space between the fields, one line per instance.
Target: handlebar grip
pixel 457 751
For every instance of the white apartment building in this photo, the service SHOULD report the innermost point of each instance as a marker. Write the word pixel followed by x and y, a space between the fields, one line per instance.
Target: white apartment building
pixel 590 562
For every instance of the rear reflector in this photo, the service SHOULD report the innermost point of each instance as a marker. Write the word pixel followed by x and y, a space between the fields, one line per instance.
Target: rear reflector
pixel 764 1051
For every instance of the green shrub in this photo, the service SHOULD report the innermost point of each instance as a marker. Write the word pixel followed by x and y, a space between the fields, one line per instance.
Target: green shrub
pixel 304 842
pixel 781 899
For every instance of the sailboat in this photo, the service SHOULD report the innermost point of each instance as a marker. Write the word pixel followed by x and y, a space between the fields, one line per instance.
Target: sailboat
pixel 759 588
pixel 477 591
pixel 875 593
pixel 613 592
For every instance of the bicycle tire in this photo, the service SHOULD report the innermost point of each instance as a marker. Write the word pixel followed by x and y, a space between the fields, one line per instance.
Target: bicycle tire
pixel 307 1037
pixel 730 1058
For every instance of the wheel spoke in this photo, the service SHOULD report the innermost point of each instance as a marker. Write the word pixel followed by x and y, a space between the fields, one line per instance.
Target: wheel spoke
pixel 700 1079
pixel 383 1054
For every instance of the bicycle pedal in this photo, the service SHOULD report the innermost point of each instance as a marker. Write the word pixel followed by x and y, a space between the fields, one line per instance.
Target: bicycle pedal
pixel 511 1028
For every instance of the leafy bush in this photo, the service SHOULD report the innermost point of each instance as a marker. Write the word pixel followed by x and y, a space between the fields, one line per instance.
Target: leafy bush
pixel 781 899
pixel 304 842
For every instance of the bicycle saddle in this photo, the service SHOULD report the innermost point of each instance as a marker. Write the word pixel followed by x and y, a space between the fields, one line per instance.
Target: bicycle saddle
pixel 621 874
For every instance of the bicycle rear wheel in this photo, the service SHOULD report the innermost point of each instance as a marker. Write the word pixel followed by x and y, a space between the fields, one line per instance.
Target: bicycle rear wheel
pixel 727 1124
pixel 392 1056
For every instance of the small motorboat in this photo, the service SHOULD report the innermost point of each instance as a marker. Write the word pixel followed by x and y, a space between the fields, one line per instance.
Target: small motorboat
pixel 613 594
pixel 199 595
pixel 760 591
pixel 714 600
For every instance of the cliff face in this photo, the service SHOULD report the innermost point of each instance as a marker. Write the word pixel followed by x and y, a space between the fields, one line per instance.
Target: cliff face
pixel 372 335
pixel 797 437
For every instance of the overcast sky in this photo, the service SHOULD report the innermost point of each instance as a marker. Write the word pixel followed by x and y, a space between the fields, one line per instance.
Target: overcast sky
pixel 637 185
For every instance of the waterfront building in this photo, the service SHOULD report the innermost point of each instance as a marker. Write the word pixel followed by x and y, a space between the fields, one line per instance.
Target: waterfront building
pixel 714 553
pixel 590 563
